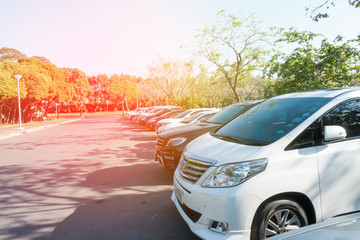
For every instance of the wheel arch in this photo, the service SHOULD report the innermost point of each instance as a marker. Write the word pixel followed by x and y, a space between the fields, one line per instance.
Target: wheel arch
pixel 300 198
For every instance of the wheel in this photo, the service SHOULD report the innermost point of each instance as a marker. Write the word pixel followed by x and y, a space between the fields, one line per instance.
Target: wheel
pixel 277 217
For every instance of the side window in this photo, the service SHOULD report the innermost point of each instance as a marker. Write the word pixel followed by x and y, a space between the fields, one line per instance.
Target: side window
pixel 310 137
pixel 346 115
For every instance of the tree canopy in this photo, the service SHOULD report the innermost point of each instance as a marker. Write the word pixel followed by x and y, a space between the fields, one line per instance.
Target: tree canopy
pixel 321 11
pixel 235 46
pixel 332 64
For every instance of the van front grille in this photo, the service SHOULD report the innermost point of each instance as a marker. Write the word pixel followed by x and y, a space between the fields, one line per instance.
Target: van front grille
pixel 191 169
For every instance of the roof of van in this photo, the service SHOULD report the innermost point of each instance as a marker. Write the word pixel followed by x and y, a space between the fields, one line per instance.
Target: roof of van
pixel 324 93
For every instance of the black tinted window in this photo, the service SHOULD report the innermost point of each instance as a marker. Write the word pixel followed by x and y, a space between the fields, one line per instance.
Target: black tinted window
pixel 310 137
pixel 346 115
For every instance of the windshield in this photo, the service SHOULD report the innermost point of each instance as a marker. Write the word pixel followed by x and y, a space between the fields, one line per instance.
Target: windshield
pixel 192 117
pixel 183 114
pixel 205 117
pixel 227 114
pixel 270 120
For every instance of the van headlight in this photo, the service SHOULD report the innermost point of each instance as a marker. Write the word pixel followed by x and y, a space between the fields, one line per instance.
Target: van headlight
pixel 176 141
pixel 230 175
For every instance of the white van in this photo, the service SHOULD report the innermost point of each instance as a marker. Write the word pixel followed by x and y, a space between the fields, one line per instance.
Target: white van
pixel 290 161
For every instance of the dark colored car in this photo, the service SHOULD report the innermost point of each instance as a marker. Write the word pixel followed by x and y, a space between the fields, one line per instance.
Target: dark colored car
pixel 171 143
pixel 142 121
pixel 151 123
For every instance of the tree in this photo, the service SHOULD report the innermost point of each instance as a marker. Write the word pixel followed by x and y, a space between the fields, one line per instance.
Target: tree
pixel 10 54
pixel 150 93
pixel 333 64
pixel 210 90
pixel 8 91
pixel 79 86
pixel 316 12
pixel 173 77
pixel 235 46
pixel 123 89
pixel 37 82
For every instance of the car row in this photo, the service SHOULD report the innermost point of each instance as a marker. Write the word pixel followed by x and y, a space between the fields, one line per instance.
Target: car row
pixel 256 170
pixel 170 144
pixel 161 118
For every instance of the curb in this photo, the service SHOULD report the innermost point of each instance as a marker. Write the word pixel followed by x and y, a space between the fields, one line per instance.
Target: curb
pixel 34 129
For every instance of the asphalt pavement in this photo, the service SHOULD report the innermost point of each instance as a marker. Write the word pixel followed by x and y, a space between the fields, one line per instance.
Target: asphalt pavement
pixel 89 179
pixel 7 132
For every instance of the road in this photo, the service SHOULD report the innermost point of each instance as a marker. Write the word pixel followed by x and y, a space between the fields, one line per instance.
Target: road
pixel 90 179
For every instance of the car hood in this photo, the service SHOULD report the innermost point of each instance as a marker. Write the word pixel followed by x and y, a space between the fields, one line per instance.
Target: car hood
pixel 189 129
pixel 209 148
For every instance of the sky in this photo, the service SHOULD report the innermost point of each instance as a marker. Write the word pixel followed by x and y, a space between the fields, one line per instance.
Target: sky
pixel 128 36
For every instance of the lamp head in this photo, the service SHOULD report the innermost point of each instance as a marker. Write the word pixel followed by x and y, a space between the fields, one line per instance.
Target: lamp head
pixel 18 77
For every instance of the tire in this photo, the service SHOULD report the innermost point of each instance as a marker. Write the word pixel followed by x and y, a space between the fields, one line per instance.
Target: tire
pixel 277 217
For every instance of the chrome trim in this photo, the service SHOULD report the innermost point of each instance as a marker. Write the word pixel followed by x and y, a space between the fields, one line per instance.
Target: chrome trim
pixel 192 169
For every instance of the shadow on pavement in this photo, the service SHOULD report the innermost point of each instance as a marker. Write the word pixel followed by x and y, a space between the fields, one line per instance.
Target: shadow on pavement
pixel 125 217
pixel 98 184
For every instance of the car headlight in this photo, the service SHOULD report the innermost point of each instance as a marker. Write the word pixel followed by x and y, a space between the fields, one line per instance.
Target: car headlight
pixel 176 141
pixel 230 175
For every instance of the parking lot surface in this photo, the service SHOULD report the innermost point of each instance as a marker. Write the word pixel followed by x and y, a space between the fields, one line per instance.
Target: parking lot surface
pixel 93 178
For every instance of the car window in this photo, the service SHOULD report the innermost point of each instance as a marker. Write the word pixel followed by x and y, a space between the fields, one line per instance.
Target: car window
pixel 174 114
pixel 310 137
pixel 205 117
pixel 227 114
pixel 346 115
pixel 183 114
pixel 270 120
pixel 191 117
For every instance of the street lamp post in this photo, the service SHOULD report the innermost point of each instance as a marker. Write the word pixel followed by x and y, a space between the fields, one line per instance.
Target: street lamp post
pixel 18 77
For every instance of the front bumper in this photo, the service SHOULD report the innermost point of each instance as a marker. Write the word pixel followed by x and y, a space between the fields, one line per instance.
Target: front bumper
pixel 168 157
pixel 200 206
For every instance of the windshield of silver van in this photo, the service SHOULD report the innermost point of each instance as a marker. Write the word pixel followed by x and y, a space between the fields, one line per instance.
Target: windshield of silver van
pixel 269 121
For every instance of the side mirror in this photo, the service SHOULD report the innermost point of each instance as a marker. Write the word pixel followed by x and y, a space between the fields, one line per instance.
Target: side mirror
pixel 334 133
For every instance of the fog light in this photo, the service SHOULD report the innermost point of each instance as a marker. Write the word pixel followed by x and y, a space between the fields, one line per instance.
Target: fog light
pixel 220 227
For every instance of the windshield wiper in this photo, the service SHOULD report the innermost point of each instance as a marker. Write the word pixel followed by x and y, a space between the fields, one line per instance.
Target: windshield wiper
pixel 256 144
pixel 227 138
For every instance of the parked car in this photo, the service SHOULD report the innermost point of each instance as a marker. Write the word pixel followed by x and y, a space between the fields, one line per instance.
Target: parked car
pixel 158 112
pixel 150 111
pixel 129 114
pixel 151 123
pixel 199 116
pixel 290 161
pixel 178 118
pixel 344 227
pixel 171 143
pixel 134 116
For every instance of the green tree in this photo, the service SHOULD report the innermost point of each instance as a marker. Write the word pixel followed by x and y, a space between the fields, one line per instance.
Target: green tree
pixel 8 91
pixel 333 64
pixel 235 46
pixel 318 12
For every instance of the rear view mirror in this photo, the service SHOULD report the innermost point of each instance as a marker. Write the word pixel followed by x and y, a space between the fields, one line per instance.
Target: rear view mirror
pixel 334 133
